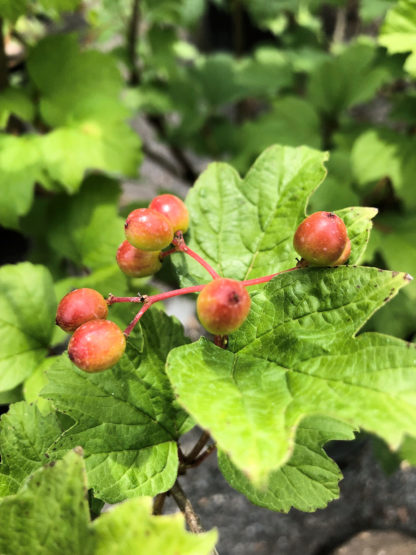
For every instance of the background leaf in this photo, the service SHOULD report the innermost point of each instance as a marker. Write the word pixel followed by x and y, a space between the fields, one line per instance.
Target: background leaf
pixel 27 308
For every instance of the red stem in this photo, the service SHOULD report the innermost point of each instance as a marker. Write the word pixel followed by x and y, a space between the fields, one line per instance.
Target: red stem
pixel 148 301
pixel 201 261
pixel 143 309
pixel 265 279
pixel 181 246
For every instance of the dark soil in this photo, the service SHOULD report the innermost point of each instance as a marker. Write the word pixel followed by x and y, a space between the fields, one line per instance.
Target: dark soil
pixel 370 500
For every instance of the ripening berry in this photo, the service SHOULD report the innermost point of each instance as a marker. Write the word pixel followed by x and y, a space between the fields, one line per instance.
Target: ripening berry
pixel 148 230
pixel 223 306
pixel 80 306
pixel 96 345
pixel 174 209
pixel 321 238
pixel 136 262
pixel 345 255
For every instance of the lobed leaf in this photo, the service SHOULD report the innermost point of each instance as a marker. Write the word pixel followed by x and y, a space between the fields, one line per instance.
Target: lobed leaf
pixel 308 481
pixel 255 217
pixel 57 492
pixel 54 494
pixel 126 418
pixel 148 533
pixel 296 355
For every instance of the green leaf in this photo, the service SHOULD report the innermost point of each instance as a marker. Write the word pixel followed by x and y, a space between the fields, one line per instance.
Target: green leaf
pixel 35 383
pixel 126 418
pixel 25 437
pixel 147 533
pixel 255 217
pixel 296 356
pixel 291 121
pixel 86 228
pixel 408 450
pixel 27 309
pixel 12 9
pixel 308 481
pixel 336 191
pixel 374 9
pixel 395 240
pixel 79 88
pixel 398 33
pixel 17 102
pixel 110 146
pixel 82 98
pixel 381 153
pixel 54 494
pixel 359 224
pixel 57 493
pixel 350 78
pixel 20 168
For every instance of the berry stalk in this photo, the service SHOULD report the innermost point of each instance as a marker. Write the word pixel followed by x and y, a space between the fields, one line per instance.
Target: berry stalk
pixel 181 246
pixel 148 301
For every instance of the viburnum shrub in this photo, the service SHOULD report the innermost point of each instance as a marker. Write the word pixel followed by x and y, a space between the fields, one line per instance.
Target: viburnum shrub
pixel 286 370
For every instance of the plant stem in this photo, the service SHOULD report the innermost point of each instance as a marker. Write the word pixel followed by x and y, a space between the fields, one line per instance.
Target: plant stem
pixel 186 508
pixel 4 72
pixel 265 279
pixel 158 503
pixel 199 445
pixel 181 246
pixel 210 449
pixel 130 327
pixel 132 38
pixel 148 301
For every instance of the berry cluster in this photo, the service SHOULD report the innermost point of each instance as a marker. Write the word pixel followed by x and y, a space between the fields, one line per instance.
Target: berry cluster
pixel 223 304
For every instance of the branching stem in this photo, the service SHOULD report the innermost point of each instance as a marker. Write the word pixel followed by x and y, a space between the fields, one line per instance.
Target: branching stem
pixel 186 508
pixel 197 448
pixel 181 246
pixel 149 300
pixel 158 503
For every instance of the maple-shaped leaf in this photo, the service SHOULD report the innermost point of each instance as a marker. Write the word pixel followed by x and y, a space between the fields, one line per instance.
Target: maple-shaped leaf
pixel 297 355
pixel 50 515
pixel 126 418
pixel 244 227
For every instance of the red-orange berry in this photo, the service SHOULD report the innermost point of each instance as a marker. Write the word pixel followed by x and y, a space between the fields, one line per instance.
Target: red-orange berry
pixel 345 254
pixel 96 345
pixel 137 262
pixel 80 306
pixel 223 305
pixel 321 238
pixel 148 230
pixel 174 209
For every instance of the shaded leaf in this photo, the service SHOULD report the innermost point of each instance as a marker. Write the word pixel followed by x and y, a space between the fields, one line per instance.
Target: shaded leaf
pixel 308 481
pixel 126 418
pixel 27 309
